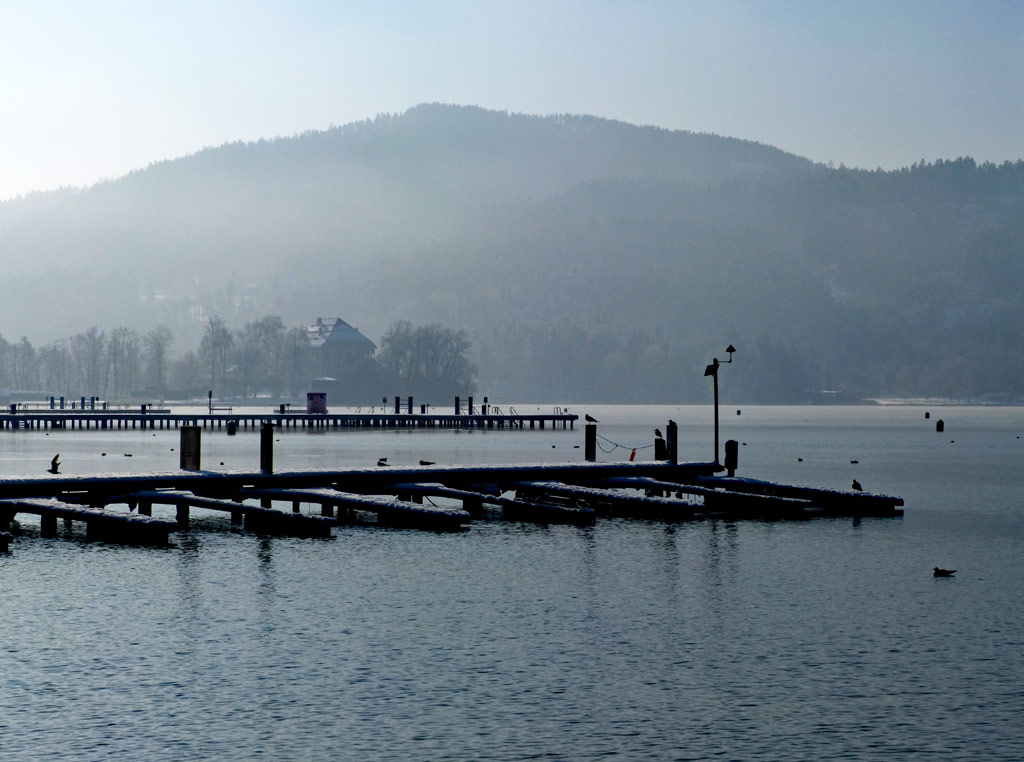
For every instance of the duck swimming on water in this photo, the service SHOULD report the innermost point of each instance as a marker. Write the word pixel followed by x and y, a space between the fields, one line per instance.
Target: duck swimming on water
pixel 937 572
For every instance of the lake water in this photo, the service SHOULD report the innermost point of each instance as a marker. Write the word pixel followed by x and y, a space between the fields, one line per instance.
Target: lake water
pixel 631 640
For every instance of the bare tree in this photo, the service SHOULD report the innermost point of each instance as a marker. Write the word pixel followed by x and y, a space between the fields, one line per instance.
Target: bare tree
pixel 123 359
pixel 215 348
pixel 56 367
pixel 158 343
pixel 87 356
pixel 25 368
pixel 6 352
pixel 188 371
pixel 297 360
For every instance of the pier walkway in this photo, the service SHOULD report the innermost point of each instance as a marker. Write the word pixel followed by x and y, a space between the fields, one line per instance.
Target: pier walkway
pixel 253 419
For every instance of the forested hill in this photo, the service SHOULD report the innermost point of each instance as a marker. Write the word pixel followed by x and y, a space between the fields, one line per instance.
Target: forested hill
pixel 589 260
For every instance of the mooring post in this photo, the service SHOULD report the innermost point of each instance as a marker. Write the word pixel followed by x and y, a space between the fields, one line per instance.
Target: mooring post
pixel 458 406
pixel 590 446
pixel 267 448
pixel 672 442
pixel 660 450
pixel 182 514
pixel 190 448
pixel 398 404
pixel 732 456
pixel 940 425
pixel 410 406
pixel 469 404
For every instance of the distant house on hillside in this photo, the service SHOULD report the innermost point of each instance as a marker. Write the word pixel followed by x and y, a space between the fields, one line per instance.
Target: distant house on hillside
pixel 338 348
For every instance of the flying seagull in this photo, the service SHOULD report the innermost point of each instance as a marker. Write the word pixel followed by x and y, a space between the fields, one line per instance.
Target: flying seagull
pixel 55 464
pixel 856 486
pixel 590 419
pixel 937 572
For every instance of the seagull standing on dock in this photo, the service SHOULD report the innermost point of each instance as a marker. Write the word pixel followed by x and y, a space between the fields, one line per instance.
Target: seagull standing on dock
pixel 657 434
pixel 382 461
pixel 856 486
pixel 55 464
pixel 590 419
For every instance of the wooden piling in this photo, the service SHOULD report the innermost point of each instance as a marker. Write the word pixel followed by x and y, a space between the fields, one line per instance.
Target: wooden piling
pixel 190 446
pixel 267 448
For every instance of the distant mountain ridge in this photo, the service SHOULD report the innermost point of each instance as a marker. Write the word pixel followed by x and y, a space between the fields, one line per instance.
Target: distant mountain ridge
pixel 588 258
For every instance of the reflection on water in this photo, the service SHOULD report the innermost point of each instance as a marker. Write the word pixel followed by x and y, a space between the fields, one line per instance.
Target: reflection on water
pixel 791 640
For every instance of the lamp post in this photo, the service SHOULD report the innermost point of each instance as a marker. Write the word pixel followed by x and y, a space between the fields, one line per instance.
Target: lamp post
pixel 712 370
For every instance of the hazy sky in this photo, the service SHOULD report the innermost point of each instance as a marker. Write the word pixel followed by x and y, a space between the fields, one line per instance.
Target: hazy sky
pixel 91 90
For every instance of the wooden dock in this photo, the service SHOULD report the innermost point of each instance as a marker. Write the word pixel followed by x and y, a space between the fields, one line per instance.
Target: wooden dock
pixel 128 420
pixel 119 508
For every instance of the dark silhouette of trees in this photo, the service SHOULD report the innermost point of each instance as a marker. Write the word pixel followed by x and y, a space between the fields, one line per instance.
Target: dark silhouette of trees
pixel 429 361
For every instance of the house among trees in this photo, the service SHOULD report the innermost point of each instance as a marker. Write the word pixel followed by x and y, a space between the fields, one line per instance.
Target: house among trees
pixel 338 348
pixel 342 363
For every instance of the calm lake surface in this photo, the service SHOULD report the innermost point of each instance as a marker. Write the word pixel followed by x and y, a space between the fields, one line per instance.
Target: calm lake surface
pixel 631 640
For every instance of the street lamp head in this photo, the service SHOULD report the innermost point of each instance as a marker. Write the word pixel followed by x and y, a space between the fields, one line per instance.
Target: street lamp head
pixel 730 349
pixel 712 369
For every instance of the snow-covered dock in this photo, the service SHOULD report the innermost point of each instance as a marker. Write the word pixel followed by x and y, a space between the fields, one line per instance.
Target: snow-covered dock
pixel 402 496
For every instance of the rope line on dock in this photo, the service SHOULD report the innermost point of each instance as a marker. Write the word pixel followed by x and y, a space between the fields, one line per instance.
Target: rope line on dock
pixel 616 445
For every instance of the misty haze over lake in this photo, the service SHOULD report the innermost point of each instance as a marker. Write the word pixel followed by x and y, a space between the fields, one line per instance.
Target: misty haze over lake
pixel 586 259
